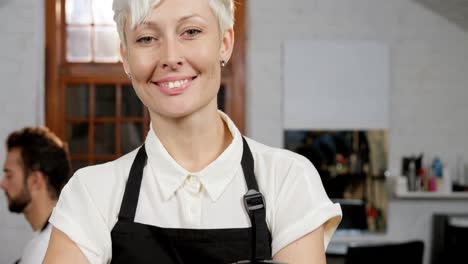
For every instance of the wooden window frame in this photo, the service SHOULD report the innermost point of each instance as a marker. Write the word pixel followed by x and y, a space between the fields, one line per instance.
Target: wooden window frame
pixel 59 72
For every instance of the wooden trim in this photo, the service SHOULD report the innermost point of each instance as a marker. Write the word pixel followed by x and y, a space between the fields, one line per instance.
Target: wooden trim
pixel 61 112
pixel 63 30
pixel 235 106
pixel 146 123
pixel 92 99
pixel 98 72
pixel 52 54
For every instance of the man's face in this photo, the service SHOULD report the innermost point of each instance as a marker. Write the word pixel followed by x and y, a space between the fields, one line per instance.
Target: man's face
pixel 13 182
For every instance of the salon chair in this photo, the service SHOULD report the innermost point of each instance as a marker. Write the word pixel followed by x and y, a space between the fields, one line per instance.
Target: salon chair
pixel 449 238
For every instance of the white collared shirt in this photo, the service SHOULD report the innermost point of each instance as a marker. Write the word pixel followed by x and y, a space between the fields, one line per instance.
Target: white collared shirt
pixel 35 250
pixel 173 197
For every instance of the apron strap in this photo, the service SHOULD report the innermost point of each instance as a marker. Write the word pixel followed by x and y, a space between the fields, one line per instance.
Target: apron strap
pixel 254 203
pixel 132 188
pixel 247 163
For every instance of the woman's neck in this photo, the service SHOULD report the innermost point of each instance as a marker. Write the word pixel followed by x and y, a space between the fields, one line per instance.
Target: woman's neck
pixel 193 141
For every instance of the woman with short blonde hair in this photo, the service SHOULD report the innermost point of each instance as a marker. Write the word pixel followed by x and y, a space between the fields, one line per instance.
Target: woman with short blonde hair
pixel 197 190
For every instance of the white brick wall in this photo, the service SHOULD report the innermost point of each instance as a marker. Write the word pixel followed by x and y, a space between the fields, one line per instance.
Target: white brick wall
pixel 428 78
pixel 21 98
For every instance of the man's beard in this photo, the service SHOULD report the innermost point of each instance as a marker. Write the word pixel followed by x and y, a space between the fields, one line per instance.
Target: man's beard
pixel 17 205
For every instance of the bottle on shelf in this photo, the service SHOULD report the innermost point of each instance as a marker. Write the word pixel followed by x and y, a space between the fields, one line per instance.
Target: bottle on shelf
pixel 412 181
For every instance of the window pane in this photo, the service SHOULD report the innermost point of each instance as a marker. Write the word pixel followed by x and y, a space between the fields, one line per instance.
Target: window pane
pixel 104 101
pixel 77 100
pixel 132 136
pixel 222 98
pixel 104 138
pixel 79 44
pixel 78 164
pixel 131 105
pixel 102 11
pixel 77 138
pixel 78 11
pixel 106 43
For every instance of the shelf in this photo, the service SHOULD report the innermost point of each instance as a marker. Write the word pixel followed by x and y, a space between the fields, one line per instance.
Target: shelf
pixel 399 186
pixel 431 195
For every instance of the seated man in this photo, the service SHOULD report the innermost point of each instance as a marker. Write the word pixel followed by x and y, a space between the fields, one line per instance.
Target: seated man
pixel 36 168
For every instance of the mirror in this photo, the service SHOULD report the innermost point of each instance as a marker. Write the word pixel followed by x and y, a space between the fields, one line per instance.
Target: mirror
pixel 352 165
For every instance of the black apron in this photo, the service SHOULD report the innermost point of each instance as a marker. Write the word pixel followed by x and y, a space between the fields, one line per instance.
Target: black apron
pixel 139 243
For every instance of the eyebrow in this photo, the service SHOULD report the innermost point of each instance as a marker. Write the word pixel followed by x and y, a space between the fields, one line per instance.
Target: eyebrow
pixel 189 17
pixel 154 24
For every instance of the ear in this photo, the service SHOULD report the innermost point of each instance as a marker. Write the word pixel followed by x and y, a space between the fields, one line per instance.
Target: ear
pixel 123 55
pixel 227 45
pixel 36 181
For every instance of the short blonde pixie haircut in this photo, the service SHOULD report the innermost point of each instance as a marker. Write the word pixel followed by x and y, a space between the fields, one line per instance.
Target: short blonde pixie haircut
pixel 138 11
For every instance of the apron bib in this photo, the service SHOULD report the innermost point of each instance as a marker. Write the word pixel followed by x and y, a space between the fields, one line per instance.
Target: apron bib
pixel 143 244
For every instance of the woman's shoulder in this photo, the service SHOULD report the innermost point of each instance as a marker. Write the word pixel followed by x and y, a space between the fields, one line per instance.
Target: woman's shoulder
pixel 103 180
pixel 100 187
pixel 108 171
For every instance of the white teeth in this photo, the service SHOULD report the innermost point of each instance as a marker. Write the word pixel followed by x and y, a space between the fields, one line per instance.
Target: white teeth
pixel 176 84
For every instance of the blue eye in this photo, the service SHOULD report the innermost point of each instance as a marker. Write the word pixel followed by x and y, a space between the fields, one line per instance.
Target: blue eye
pixel 146 40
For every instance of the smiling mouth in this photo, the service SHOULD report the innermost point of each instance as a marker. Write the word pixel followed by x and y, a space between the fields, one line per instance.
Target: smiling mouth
pixel 175 84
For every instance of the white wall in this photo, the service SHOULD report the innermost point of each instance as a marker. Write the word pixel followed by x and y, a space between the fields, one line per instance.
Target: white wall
pixel 428 81
pixel 429 65
pixel 21 98
pixel 428 57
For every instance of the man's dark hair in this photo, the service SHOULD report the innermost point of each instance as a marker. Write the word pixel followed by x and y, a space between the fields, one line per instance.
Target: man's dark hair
pixel 41 150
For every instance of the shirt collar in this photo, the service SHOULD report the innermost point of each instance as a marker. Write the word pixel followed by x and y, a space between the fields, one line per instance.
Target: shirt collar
pixel 214 178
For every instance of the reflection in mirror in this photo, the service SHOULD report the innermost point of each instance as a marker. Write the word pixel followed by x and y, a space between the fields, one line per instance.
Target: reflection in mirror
pixel 352 166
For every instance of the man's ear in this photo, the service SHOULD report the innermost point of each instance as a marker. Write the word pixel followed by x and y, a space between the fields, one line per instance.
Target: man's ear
pixel 227 45
pixel 36 180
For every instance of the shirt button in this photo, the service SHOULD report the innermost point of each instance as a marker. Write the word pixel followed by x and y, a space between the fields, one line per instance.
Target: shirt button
pixel 192 184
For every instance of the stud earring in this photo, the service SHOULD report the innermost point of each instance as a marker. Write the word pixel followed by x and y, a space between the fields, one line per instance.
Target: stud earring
pixel 223 63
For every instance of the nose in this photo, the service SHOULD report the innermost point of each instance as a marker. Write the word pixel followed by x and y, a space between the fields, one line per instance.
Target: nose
pixel 171 56
pixel 3 183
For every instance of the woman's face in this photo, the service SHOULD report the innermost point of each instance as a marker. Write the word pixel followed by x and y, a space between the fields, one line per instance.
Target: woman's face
pixel 174 57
